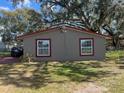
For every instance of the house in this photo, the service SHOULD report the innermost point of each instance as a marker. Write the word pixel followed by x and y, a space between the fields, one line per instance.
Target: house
pixel 64 43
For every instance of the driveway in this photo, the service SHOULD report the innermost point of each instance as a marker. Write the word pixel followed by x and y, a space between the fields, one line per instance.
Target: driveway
pixel 6 60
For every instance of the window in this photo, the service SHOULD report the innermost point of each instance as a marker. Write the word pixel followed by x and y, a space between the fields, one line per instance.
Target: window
pixel 43 47
pixel 86 46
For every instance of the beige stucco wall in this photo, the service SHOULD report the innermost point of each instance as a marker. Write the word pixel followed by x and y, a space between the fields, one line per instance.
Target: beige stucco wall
pixel 65 45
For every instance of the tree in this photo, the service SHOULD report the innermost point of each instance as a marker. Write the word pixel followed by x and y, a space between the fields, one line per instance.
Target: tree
pixel 94 14
pixel 7 22
pixel 115 25
pixel 97 15
pixel 18 22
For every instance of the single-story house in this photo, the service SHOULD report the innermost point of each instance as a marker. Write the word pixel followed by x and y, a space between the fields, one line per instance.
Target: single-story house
pixel 64 43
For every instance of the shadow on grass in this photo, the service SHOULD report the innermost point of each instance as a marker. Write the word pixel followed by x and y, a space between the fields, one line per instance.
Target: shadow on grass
pixel 83 71
pixel 120 63
pixel 24 75
pixel 37 75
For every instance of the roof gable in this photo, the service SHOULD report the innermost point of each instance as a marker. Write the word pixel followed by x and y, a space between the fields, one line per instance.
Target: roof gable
pixel 50 29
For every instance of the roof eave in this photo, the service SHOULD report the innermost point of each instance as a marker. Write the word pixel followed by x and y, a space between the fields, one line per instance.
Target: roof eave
pixel 65 28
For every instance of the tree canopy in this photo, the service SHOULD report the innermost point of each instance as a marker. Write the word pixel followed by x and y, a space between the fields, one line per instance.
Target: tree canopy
pixel 93 13
pixel 97 15
pixel 18 22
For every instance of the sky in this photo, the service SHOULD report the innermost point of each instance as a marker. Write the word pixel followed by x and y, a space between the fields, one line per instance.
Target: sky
pixel 6 5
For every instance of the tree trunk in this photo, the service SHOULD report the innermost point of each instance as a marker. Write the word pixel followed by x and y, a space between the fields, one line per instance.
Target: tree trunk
pixel 117 43
pixel 113 42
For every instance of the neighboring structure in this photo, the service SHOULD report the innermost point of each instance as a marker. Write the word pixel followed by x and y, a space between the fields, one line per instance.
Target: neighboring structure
pixel 2 46
pixel 64 43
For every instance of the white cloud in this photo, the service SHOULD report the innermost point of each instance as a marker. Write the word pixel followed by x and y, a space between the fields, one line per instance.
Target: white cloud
pixel 19 5
pixel 26 3
pixel 4 8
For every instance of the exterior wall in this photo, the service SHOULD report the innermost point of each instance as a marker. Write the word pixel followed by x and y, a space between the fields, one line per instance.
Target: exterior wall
pixel 65 45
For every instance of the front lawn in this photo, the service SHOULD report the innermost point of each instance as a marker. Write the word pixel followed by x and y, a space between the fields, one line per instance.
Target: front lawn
pixel 115 54
pixel 5 54
pixel 61 77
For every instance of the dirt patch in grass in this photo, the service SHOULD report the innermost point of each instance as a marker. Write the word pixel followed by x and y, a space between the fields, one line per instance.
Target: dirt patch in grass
pixel 91 88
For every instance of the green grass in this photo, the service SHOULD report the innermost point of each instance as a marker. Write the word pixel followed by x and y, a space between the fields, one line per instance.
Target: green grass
pixel 115 54
pixel 4 54
pixel 61 77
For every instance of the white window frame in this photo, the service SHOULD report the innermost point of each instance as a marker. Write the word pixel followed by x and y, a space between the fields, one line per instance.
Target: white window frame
pixel 37 48
pixel 85 47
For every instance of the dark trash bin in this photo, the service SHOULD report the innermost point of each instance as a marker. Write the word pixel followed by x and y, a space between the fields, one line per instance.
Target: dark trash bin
pixel 16 51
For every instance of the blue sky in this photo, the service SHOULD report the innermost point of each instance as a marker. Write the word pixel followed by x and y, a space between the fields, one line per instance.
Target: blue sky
pixel 5 5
